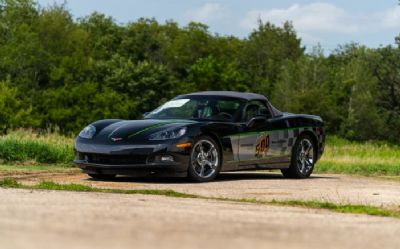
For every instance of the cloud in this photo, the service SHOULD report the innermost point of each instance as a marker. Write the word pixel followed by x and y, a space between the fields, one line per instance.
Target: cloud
pixel 314 17
pixel 391 18
pixel 309 38
pixel 206 13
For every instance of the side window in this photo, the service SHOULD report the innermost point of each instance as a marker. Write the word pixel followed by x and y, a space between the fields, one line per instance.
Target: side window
pixel 255 108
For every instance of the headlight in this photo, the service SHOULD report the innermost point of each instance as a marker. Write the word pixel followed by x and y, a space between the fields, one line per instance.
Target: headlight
pixel 168 134
pixel 88 132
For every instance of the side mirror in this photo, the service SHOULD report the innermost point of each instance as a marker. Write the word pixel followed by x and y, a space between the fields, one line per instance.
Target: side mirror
pixel 145 114
pixel 257 122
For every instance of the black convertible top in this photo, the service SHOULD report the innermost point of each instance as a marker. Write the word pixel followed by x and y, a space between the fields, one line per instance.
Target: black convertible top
pixel 240 95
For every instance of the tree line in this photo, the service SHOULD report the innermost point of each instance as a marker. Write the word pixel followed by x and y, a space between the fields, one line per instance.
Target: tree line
pixel 57 72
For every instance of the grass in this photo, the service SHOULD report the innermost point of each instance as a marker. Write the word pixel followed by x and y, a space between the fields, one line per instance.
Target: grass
pixel 37 168
pixel 24 150
pixel 26 147
pixel 340 208
pixel 48 185
pixel 369 159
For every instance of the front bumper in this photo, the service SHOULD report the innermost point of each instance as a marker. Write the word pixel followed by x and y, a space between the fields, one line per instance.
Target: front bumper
pixel 132 160
pixel 164 170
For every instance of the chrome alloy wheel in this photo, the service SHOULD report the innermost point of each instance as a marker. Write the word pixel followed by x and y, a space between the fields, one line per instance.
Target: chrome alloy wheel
pixel 305 156
pixel 204 158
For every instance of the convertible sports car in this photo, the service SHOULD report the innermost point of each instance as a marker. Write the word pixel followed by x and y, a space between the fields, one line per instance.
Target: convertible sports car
pixel 201 134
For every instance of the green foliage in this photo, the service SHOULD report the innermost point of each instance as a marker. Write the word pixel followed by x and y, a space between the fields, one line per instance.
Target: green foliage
pixel 341 208
pixel 146 83
pixel 59 72
pixel 16 150
pixel 29 167
pixel 304 87
pixel 10 183
pixel 80 103
pixel 104 35
pixel 266 50
pixel 27 150
pixel 48 185
pixel 210 74
pixel 363 115
pixel 23 147
pixel 12 112
pixel 190 44
pixel 385 66
pixel 345 157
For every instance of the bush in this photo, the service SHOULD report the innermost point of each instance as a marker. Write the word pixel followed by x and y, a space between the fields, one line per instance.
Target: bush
pixel 345 157
pixel 22 147
pixel 12 113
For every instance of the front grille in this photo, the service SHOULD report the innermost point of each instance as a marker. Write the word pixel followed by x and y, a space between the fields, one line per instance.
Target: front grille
pixel 114 159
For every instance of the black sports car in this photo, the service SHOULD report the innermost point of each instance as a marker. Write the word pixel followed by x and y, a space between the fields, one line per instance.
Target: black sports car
pixel 201 134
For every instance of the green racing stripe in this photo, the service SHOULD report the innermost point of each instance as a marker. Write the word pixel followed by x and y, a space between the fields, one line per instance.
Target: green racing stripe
pixel 157 126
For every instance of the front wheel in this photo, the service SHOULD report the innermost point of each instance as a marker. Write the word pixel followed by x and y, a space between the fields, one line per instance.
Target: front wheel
pixel 205 160
pixel 303 158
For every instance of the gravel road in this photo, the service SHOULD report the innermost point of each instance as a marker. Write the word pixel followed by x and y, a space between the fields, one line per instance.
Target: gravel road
pixel 262 186
pixel 57 220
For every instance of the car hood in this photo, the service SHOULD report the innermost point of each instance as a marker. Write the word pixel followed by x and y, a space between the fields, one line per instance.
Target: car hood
pixel 130 129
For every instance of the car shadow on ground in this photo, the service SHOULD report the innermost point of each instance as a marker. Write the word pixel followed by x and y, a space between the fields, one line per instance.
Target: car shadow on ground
pixel 223 177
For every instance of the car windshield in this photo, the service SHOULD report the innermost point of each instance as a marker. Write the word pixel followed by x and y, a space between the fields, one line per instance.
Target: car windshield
pixel 199 108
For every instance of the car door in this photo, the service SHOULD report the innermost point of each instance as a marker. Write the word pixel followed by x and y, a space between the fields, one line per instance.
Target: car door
pixel 262 144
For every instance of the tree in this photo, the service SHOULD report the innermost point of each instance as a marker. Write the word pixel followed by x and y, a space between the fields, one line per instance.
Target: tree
pixel 304 87
pixel 19 44
pixel 364 121
pixel 12 112
pixel 66 73
pixel 71 108
pixel 144 82
pixel 104 35
pixel 211 74
pixel 65 46
pixel 265 52
pixel 385 66
pixel 191 43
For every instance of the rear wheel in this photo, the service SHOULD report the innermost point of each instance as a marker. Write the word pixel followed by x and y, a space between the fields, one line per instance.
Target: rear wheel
pixel 303 158
pixel 102 176
pixel 205 160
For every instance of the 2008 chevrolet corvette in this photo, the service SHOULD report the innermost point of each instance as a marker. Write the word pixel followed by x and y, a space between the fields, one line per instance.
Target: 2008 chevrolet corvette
pixel 201 134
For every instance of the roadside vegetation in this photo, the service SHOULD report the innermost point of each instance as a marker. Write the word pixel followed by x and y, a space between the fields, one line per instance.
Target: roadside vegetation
pixel 57 70
pixel 29 148
pixel 26 150
pixel 340 208
pixel 59 73
pixel 368 158
pixel 25 168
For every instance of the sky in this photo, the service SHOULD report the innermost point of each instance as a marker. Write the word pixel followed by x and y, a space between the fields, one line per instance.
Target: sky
pixel 328 23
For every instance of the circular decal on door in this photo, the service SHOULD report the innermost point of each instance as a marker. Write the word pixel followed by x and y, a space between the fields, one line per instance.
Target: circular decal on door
pixel 262 145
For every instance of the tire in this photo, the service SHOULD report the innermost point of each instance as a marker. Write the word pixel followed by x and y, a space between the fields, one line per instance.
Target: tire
pixel 303 158
pixel 205 160
pixel 102 177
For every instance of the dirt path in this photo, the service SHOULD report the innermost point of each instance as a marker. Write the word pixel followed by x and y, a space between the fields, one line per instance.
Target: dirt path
pixel 58 220
pixel 262 186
